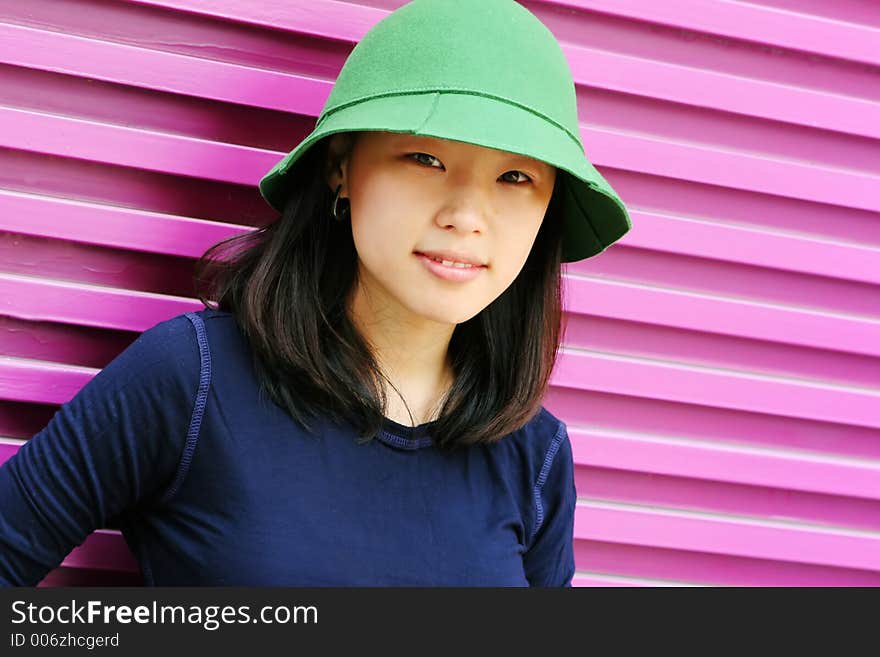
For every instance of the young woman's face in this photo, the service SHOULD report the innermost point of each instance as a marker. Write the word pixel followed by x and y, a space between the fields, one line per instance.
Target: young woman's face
pixel 413 194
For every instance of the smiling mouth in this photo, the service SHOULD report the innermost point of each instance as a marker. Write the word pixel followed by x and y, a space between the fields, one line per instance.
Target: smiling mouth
pixel 451 263
pixel 450 273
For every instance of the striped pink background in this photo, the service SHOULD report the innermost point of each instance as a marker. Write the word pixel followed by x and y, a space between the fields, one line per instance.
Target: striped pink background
pixel 721 369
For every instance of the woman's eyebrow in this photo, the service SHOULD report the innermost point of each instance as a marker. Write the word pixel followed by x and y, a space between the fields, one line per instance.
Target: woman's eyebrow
pixel 406 138
pixel 403 139
pixel 530 163
pixel 516 157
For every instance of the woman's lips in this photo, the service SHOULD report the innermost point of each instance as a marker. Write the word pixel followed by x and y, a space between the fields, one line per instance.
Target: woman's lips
pixel 447 273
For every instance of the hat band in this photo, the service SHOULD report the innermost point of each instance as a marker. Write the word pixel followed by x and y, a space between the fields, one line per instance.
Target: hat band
pixel 449 90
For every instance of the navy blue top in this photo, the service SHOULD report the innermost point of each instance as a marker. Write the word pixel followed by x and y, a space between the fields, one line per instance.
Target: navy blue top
pixel 215 485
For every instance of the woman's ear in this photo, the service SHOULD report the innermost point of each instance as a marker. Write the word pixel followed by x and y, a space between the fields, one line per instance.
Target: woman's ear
pixel 339 148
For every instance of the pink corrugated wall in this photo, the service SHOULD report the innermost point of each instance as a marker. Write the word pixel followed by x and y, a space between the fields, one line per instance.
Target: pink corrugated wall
pixel 721 369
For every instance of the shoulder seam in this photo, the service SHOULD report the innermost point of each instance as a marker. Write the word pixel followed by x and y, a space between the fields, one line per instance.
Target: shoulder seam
pixel 542 477
pixel 198 408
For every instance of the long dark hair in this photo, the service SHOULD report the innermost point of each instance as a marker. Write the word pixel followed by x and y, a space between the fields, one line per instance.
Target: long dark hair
pixel 288 284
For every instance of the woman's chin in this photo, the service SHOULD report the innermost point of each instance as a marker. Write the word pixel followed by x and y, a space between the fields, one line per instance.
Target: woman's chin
pixel 445 314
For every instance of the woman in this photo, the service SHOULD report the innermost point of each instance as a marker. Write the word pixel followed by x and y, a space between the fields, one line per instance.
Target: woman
pixel 359 403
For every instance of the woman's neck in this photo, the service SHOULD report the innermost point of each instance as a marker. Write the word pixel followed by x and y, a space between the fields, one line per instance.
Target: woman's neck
pixel 412 352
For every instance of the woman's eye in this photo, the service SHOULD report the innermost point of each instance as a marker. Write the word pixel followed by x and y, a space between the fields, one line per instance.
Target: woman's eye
pixel 415 156
pixel 516 182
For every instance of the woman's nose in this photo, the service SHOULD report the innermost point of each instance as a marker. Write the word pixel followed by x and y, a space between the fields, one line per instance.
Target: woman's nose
pixel 466 208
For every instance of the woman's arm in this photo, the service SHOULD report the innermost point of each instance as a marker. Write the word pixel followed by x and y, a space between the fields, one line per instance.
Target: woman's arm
pixel 549 559
pixel 117 443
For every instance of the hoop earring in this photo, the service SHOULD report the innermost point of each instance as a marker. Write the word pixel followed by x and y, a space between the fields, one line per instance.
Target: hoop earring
pixel 346 208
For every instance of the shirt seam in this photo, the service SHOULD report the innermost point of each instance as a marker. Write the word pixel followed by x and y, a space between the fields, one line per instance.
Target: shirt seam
pixel 405 443
pixel 198 408
pixel 542 477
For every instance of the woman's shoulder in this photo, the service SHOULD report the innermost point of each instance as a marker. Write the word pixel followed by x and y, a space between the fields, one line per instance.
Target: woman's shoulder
pixel 207 315
pixel 541 432
pixel 212 319
pixel 546 424
pixel 181 332
pixel 178 345
pixel 536 443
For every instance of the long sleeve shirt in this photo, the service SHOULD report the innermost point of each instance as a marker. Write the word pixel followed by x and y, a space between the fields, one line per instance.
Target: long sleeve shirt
pixel 212 484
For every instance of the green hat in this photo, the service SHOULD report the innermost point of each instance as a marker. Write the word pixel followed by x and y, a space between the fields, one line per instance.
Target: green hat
pixel 485 72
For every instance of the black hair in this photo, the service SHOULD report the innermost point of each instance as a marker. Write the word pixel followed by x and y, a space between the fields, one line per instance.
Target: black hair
pixel 288 284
